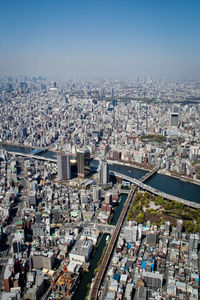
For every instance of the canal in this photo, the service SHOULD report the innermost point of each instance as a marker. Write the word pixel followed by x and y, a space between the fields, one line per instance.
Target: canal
pixel 86 279
pixel 163 183
pixel 82 289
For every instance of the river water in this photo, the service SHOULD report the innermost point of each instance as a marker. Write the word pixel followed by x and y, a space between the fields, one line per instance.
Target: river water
pixel 87 276
pixel 167 184
pixel 163 183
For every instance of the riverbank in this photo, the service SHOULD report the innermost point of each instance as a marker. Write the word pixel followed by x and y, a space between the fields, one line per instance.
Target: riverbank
pixel 124 163
pixel 27 146
pixel 172 184
pixel 178 176
pixel 17 145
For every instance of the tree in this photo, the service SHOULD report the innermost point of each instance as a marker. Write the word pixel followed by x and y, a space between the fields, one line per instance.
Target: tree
pixel 168 205
pixel 159 200
pixel 197 227
pixel 140 218
pixel 148 195
pixel 189 226
pixel 178 205
pixel 135 207
pixel 153 212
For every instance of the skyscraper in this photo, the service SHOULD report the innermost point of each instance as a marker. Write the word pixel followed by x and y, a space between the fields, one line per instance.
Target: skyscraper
pixel 179 227
pixel 64 167
pixel 83 163
pixel 113 93
pixel 103 172
pixel 174 119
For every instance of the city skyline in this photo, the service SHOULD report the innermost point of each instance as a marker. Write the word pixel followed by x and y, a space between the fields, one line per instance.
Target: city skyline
pixel 110 39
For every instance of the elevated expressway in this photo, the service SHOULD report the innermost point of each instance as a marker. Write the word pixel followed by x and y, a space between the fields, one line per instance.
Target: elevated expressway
pixel 139 183
pixel 154 191
pixel 99 277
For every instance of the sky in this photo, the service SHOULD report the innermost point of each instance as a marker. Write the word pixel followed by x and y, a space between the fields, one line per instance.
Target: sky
pixel 100 38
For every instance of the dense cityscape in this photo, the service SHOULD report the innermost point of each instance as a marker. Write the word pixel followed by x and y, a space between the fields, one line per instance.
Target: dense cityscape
pixel 79 218
pixel 99 150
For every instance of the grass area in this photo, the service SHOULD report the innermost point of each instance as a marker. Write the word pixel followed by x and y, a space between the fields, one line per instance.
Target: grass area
pixel 158 210
pixel 157 138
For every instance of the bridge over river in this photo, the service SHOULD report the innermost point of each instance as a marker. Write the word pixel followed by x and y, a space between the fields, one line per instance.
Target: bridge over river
pixel 154 191
pixel 139 183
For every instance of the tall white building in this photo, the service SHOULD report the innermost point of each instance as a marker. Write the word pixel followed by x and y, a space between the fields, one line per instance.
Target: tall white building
pixel 131 233
pixel 179 227
pixel 97 191
pixel 103 172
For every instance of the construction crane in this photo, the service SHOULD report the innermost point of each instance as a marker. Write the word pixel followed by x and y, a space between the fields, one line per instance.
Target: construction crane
pixel 53 281
pixel 59 284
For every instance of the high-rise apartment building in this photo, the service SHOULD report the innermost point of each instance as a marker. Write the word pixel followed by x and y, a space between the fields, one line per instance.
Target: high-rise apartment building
pixel 97 191
pixel 154 280
pixel 179 227
pixel 103 172
pixel 174 119
pixel 131 233
pixel 64 167
pixel 151 238
pixel 83 163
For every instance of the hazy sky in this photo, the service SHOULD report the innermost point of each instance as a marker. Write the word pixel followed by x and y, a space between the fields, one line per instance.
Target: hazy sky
pixel 108 38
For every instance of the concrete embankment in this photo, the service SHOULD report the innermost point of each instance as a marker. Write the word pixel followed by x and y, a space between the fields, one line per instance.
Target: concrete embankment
pixel 123 163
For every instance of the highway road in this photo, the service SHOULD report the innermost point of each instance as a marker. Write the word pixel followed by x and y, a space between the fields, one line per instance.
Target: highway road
pixel 154 191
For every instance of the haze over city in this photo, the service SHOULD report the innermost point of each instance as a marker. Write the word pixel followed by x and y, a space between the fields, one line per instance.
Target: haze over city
pixel 101 39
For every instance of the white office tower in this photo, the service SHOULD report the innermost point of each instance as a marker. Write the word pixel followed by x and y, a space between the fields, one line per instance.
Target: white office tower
pixel 131 233
pixel 103 172
pixel 97 191
pixel 179 227
pixel 64 167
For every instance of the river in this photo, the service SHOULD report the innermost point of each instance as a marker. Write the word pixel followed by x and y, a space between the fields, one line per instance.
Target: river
pixel 167 184
pixel 164 183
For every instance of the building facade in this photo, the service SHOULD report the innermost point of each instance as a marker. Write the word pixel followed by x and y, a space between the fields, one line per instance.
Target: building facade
pixel 83 163
pixel 103 172
pixel 64 167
